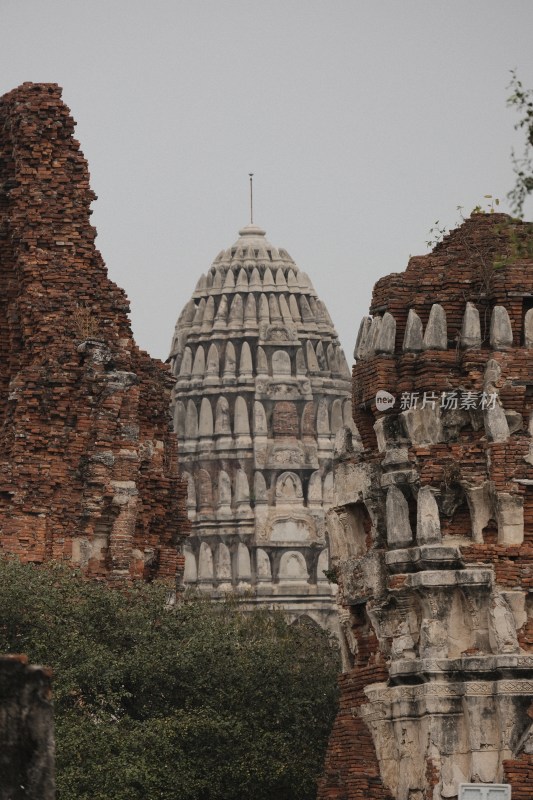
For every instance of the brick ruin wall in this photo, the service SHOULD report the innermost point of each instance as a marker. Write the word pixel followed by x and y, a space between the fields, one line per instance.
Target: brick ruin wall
pixel 26 731
pixel 432 534
pixel 88 462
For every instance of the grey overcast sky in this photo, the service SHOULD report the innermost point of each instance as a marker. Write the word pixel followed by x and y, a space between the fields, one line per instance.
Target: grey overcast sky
pixel 364 121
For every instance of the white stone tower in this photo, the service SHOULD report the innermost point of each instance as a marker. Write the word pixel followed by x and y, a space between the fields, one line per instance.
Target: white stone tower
pixel 262 386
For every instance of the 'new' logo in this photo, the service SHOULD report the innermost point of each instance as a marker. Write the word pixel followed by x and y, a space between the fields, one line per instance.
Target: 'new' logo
pixel 384 400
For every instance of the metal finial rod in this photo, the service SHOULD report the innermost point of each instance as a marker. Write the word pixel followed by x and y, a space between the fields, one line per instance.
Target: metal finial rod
pixel 251 174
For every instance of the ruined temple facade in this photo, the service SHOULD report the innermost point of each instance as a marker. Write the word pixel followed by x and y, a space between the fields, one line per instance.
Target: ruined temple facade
pixel 261 388
pixel 431 530
pixel 88 458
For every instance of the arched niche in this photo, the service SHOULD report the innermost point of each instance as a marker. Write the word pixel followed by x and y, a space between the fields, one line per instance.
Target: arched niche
pixel 268 280
pixel 273 307
pixel 205 427
pixel 308 420
pixel 221 316
pixel 295 311
pixel 281 363
pixel 242 487
pixel 235 318
pixel 190 574
pixel 198 368
pixel 250 311
pixel 191 491
pixel 222 417
pixel 307 314
pixel 347 413
pixel 264 571
pixel 213 362
pixel 230 361
pixel 281 281
pixel 333 361
pixel 199 313
pixel 321 358
pixel 205 563
pixel 285 419
pixel 322 565
pixel 260 420
pixel 186 363
pixel 264 313
pixel 289 489
pixel 204 488
pixel 292 567
pixel 336 416
pixel 179 418
pixel 327 493
pixel 223 563
pixel 260 489
pixel 285 312
pixel 322 417
pixel 191 421
pixel 262 362
pixel 356 530
pixel 229 281
pixel 242 280
pixel 255 280
pixel 339 547
pixel 244 570
pixel 218 279
pixel 187 315
pixel 301 369
pixel 209 314
pixel 314 492
pixel 223 490
pixel 292 283
pixel 312 363
pixel 245 367
pixel 241 422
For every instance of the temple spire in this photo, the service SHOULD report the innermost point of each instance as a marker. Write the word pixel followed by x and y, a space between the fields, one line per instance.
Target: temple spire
pixel 251 174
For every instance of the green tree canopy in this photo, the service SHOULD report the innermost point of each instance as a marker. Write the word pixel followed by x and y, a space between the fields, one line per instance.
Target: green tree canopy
pixel 199 701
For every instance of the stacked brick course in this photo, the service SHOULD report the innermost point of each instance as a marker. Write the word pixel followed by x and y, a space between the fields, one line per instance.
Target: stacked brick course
pixel 88 462
pixel 445 579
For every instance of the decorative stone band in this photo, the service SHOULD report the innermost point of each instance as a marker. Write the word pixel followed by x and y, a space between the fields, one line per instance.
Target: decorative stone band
pixel 381 697
pixel 377 335
pixel 481 663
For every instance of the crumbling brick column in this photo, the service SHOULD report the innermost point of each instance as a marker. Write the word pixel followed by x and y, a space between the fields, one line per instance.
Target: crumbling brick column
pixel 88 461
pixel 431 533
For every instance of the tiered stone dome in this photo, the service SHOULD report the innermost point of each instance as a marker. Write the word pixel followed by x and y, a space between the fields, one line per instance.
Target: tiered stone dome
pixel 262 386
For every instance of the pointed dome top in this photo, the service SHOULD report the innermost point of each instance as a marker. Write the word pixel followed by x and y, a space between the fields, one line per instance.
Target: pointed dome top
pixel 279 303
pixel 252 247
pixel 251 230
pixel 252 236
